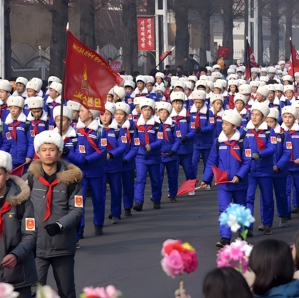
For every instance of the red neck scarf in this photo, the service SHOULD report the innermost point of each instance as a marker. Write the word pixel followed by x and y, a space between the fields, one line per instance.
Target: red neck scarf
pixel 232 151
pixel 14 132
pixel 197 120
pixel 177 120
pixel 145 130
pixel 128 135
pixel 5 208
pixel 109 146
pixel 35 125
pixel 89 139
pixel 165 134
pixel 260 143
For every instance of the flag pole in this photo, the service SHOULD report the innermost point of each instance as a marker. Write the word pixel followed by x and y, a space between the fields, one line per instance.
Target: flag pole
pixel 164 58
pixel 292 61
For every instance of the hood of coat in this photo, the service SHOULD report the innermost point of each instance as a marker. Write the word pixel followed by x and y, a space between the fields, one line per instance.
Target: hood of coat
pixel 288 290
pixel 18 191
pixel 68 173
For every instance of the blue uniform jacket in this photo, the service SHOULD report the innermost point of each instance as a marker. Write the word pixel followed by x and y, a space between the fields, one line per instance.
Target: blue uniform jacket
pixel 221 157
pixel 155 141
pixel 91 162
pixel 218 123
pixel 264 166
pixel 4 111
pixel 185 127
pixel 49 107
pixel 204 139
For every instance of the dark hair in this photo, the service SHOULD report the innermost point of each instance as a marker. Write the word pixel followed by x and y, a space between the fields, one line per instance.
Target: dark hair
pixel 296 244
pixel 225 282
pixel 271 261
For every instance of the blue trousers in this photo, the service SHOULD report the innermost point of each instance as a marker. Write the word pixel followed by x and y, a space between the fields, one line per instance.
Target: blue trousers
pixel 225 197
pixel 294 176
pixel 291 187
pixel 114 180
pixel 265 185
pixel 142 170
pixel 186 161
pixel 204 153
pixel 172 176
pixel 128 188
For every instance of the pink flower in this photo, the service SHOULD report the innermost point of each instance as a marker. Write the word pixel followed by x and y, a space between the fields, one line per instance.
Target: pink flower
pixel 169 245
pixel 7 291
pixel 109 292
pixel 190 260
pixel 173 264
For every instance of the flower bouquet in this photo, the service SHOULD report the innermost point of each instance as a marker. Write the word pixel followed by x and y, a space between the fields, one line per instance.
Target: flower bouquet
pixel 237 217
pixel 7 291
pixel 178 258
pixel 109 292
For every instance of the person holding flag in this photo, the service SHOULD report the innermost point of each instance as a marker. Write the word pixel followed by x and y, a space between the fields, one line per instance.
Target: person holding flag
pixel 229 153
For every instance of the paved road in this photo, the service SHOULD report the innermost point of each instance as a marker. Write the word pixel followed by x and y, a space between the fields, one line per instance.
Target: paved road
pixel 128 255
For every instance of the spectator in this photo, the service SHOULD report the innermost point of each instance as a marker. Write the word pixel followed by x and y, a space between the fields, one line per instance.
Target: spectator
pixel 167 70
pixel 193 62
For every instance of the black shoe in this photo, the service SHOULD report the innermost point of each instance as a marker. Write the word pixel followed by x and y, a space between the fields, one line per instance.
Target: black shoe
pixel 110 216
pixel 98 230
pixel 289 216
pixel 173 199
pixel 268 230
pixel 78 245
pixel 294 209
pixel 157 205
pixel 81 234
pixel 128 212
pixel 138 207
pixel 223 242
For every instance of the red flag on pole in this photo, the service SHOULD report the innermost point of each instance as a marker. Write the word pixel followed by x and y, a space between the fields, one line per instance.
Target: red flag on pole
pixel 18 171
pixel 220 176
pixel 249 61
pixel 294 60
pixel 88 77
pixel 165 54
pixel 187 186
pixel 223 52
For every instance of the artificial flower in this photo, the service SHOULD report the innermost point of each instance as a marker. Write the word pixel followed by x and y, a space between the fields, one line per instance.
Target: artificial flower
pixel 173 264
pixel 189 258
pixel 7 291
pixel 100 292
pixel 45 292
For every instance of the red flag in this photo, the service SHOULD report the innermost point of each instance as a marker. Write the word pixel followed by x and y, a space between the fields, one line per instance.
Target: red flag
pixel 88 77
pixel 187 186
pixel 249 61
pixel 223 52
pixel 18 171
pixel 294 61
pixel 221 177
pixel 165 54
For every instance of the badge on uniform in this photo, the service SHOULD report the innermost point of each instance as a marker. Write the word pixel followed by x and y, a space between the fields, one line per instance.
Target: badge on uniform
pixel 136 141
pixel 79 201
pixel 192 124
pixel 130 100
pixel 273 140
pixel 212 120
pixel 160 135
pixel 178 133
pixel 32 133
pixel 82 149
pixel 124 139
pixel 248 152
pixel 29 224
pixel 51 127
pixel 289 145
pixel 130 117
pixel 8 135
pixel 104 142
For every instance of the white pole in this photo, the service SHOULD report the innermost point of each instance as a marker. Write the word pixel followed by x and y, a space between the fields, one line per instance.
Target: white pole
pixel 249 21
pixel 2 41
pixel 256 40
pixel 165 30
pixel 157 32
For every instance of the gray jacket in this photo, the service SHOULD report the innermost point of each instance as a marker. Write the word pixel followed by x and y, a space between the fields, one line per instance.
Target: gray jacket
pixel 17 238
pixel 63 209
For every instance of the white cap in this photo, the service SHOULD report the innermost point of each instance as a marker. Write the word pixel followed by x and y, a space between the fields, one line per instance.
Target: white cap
pixel 119 91
pixel 281 62
pixel 274 113
pixel 254 83
pixel 15 101
pixel 73 105
pixel 123 106
pixel 215 97
pixel 279 71
pixel 199 94
pixel 35 102
pixel 201 83
pixel 147 102
pixel 5 85
pixel 178 95
pixel 233 66
pixel 289 110
pixel 160 88
pixel 179 84
pixel 48 137
pixel 174 78
pixel 164 105
pixel 203 77
pixel 231 77
pixel 209 68
pixel 216 66
pixel 111 92
pixel 110 106
pixel 271 69
pixel 239 69
pixel 218 84
pixel 296 74
pixel 128 83
pixel 67 112
pixel 263 90
pixel 264 79
pixel 137 100
pixel 241 97
pixel 278 87
pixel 241 82
pixel 288 87
pixel 56 86
pixel 22 80
pixel 210 84
pixel 224 83
pixel 193 78
pixel 217 75
pixel 287 78
pixel 189 85
pixel 262 107
pixel 245 89
pixel 32 85
pixel 295 104
pixel 230 71
pixel 271 87
pixel 232 117
pixel 150 79
pixel 264 69
pixel 5 161
pixel 233 82
pixel 95 113
pixel 160 74
pixel 141 78
pixel 262 83
pixel 255 69
pixel 53 79
pixel 39 83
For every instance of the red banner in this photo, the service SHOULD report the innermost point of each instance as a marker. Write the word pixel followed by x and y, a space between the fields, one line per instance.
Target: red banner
pixel 165 54
pixel 88 77
pixel 145 33
pixel 223 52
pixel 294 61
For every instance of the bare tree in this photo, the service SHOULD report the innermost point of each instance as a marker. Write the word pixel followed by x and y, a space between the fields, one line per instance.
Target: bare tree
pixel 7 46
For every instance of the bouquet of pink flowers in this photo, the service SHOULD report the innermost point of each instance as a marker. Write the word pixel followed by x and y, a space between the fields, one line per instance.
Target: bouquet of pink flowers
pixel 178 258
pixel 109 292
pixel 235 255
pixel 7 291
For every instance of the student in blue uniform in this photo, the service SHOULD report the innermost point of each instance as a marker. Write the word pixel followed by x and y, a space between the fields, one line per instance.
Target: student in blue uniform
pixel 75 107
pixel 5 91
pixel 204 127
pixel 14 135
pixel 116 146
pixel 185 127
pixel 137 111
pixel 21 87
pixel 31 91
pixel 262 142
pixel 119 94
pixel 171 144
pixel 140 90
pixel 148 137
pixel 91 155
pixel 216 101
pixel 229 154
pixel 129 88
pixel 122 110
pixel 240 107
